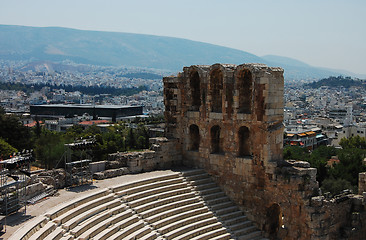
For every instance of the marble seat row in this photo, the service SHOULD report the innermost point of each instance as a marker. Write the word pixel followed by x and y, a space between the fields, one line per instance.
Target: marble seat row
pixel 226 211
pixel 181 205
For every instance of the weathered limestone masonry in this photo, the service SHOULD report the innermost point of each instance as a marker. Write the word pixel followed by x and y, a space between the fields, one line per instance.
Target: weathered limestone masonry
pixel 227 119
pixel 163 154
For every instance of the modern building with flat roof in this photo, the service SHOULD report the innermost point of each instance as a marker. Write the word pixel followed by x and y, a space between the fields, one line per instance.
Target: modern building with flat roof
pixel 113 112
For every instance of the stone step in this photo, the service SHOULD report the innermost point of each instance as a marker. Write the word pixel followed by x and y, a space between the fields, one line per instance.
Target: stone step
pixel 219 233
pixel 164 198
pixel 209 191
pixel 139 233
pixel 56 234
pixel 212 196
pixel 67 237
pixel 154 191
pixel 251 235
pixel 169 206
pixel 199 230
pixel 149 236
pixel 62 208
pixel 30 228
pixel 176 217
pixel 186 192
pixel 142 182
pixel 246 231
pixel 148 186
pixel 235 220
pixel 96 229
pixel 43 231
pixel 177 210
pixel 205 186
pixel 71 223
pixel 185 221
pixel 78 230
pixel 197 177
pixel 106 233
pixel 225 236
pixel 230 215
pixel 127 230
pixel 240 225
pixel 82 208
pixel 193 172
pixel 214 201
pixel 227 210
pixel 221 205
pixel 187 228
pixel 201 181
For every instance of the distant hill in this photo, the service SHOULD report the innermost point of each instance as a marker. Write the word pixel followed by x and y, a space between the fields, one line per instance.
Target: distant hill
pixel 339 81
pixel 48 66
pixel 295 69
pixel 132 50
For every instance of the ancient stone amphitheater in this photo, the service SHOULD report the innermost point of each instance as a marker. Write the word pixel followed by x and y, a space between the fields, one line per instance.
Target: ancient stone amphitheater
pixel 225 119
pixel 178 205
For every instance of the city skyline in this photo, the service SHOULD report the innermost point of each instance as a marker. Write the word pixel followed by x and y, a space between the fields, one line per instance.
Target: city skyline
pixel 326 34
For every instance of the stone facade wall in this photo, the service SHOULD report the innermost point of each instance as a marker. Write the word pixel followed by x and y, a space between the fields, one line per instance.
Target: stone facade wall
pixel 361 183
pixel 227 119
pixel 164 154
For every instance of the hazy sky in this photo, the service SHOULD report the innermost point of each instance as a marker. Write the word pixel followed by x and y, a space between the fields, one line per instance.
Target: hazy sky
pixel 326 33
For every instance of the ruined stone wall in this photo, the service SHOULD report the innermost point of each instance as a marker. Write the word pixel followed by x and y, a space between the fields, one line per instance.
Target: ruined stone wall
pixel 362 183
pixel 163 154
pixel 227 119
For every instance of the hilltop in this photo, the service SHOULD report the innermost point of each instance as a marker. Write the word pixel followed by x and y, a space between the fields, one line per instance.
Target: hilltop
pixel 339 81
pixel 132 50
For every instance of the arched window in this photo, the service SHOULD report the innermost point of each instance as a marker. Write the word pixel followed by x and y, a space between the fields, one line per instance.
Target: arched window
pixel 244 145
pixel 229 99
pixel 244 84
pixel 194 137
pixel 194 84
pixel 273 219
pixel 216 77
pixel 215 139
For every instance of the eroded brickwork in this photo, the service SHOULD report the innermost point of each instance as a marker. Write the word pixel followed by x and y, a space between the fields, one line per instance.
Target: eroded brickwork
pixel 227 119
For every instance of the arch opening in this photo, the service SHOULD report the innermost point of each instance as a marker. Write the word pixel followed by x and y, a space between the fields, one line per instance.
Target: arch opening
pixel 194 137
pixel 244 79
pixel 194 83
pixel 273 219
pixel 244 142
pixel 216 77
pixel 215 139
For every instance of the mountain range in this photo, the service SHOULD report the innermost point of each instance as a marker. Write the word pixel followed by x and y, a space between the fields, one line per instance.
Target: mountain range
pixel 135 50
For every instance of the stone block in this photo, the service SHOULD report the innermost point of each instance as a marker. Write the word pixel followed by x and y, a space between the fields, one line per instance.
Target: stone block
pixel 214 115
pixel 97 166
pixel 301 164
pixel 317 201
pixel 99 176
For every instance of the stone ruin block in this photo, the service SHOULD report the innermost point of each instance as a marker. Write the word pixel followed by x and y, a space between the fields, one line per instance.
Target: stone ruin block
pixel 228 119
pixel 361 183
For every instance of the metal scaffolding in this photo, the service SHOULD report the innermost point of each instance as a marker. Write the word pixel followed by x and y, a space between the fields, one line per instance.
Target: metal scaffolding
pixel 78 172
pixel 14 173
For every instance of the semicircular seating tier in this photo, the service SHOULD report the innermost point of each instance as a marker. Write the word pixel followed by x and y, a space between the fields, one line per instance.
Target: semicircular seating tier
pixel 179 205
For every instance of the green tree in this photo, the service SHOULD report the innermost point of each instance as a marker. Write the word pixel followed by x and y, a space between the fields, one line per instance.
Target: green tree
pixel 141 142
pixel 353 142
pixel 6 149
pixel 335 186
pixel 49 148
pixel 130 139
pixel 14 133
pixel 295 153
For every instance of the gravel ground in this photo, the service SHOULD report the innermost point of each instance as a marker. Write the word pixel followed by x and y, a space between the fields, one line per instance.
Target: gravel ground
pixel 17 221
